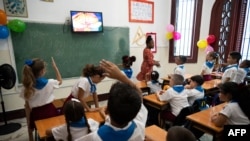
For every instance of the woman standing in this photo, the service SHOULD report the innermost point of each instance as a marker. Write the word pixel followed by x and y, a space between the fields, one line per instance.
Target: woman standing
pixel 148 61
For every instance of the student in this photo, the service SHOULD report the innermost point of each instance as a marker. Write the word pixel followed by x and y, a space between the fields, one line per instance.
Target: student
pixel 180 61
pixel 194 89
pixel 86 86
pixel 77 125
pixel 237 111
pixel 127 62
pixel 230 71
pixel 176 96
pixel 38 91
pixel 126 113
pixel 242 72
pixel 148 61
pixel 179 133
pixel 211 63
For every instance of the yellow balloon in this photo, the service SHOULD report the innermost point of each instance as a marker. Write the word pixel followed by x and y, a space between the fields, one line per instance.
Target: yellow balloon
pixel 202 44
pixel 169 35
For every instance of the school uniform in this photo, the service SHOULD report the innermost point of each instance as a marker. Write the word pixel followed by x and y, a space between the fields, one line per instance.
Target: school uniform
pixel 240 76
pixel 77 129
pixel 208 67
pixel 134 131
pixel 128 72
pixel 195 93
pixel 177 98
pixel 230 72
pixel 234 114
pixel 84 83
pixel 179 69
pixel 41 101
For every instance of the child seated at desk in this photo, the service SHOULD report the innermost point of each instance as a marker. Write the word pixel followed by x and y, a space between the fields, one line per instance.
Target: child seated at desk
pixel 180 61
pixel 126 113
pixel 242 72
pixel 77 125
pixel 211 63
pixel 194 89
pixel 176 96
pixel 126 64
pixel 237 111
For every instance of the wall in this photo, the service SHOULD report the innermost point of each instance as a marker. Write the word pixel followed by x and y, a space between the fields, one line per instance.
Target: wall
pixel 115 14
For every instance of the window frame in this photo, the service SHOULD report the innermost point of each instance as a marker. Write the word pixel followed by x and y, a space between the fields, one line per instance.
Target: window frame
pixel 196 32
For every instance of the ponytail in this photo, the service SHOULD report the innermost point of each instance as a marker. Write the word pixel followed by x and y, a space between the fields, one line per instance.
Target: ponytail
pixel 28 81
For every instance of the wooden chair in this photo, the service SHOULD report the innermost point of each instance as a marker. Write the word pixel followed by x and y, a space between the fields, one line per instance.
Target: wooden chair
pixel 27 112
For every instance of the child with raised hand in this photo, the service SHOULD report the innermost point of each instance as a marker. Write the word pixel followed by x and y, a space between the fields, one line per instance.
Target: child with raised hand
pixel 194 89
pixel 38 91
pixel 86 86
pixel 127 62
pixel 180 61
pixel 211 63
pixel 231 70
pixel 77 125
pixel 126 113
pixel 176 96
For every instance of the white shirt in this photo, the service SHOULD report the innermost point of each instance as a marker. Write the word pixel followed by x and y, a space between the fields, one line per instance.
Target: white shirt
pixel 83 83
pixel 194 94
pixel 234 114
pixel 61 133
pixel 176 100
pixel 179 70
pixel 138 134
pixel 229 73
pixel 206 69
pixel 42 96
pixel 240 76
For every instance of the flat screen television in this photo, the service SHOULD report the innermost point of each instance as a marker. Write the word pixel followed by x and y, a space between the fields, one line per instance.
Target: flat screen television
pixel 86 21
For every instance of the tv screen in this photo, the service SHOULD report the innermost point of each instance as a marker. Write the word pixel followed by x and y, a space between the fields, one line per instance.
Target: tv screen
pixel 86 21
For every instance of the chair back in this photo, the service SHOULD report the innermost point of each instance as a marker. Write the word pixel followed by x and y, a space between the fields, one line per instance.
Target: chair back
pixel 200 104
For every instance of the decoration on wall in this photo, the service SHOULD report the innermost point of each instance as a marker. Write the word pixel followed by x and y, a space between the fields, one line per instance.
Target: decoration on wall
pixel 206 43
pixel 14 25
pixel 48 0
pixel 141 11
pixel 171 34
pixel 139 35
pixel 153 35
pixel 15 8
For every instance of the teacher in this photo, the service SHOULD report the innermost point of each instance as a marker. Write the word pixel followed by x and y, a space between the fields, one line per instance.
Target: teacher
pixel 148 61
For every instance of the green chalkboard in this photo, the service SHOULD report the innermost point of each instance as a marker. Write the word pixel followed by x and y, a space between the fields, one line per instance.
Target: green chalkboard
pixel 71 51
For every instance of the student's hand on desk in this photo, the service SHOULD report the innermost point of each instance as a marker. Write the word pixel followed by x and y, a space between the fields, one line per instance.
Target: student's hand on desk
pixel 161 92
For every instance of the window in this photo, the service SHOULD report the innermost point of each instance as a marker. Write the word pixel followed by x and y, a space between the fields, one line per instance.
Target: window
pixel 230 24
pixel 186 16
pixel 245 44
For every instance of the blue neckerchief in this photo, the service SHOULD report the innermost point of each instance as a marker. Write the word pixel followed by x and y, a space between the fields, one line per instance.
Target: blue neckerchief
pixel 154 81
pixel 199 88
pixel 231 66
pixel 181 66
pixel 107 133
pixel 79 124
pixel 209 64
pixel 178 88
pixel 41 83
pixel 246 70
pixel 92 86
pixel 128 72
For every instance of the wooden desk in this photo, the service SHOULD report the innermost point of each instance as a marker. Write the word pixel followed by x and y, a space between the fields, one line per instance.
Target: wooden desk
pixel 143 86
pixel 153 101
pixel 201 120
pixel 44 124
pixel 210 87
pixel 155 133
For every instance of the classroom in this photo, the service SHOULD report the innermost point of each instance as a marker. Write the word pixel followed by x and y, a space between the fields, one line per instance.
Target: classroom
pixel 117 18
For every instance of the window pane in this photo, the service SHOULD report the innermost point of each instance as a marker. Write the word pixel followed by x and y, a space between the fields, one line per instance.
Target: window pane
pixel 184 25
pixel 245 45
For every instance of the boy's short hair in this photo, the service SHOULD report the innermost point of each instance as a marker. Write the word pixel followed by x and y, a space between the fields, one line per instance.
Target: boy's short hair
pixel 124 103
pixel 177 79
pixel 183 59
pixel 179 133
pixel 198 79
pixel 235 55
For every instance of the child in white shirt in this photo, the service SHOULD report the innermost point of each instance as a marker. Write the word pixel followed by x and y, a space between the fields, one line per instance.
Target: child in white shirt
pixel 180 61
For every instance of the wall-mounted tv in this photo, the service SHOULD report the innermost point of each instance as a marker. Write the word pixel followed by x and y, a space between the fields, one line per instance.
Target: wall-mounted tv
pixel 86 21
